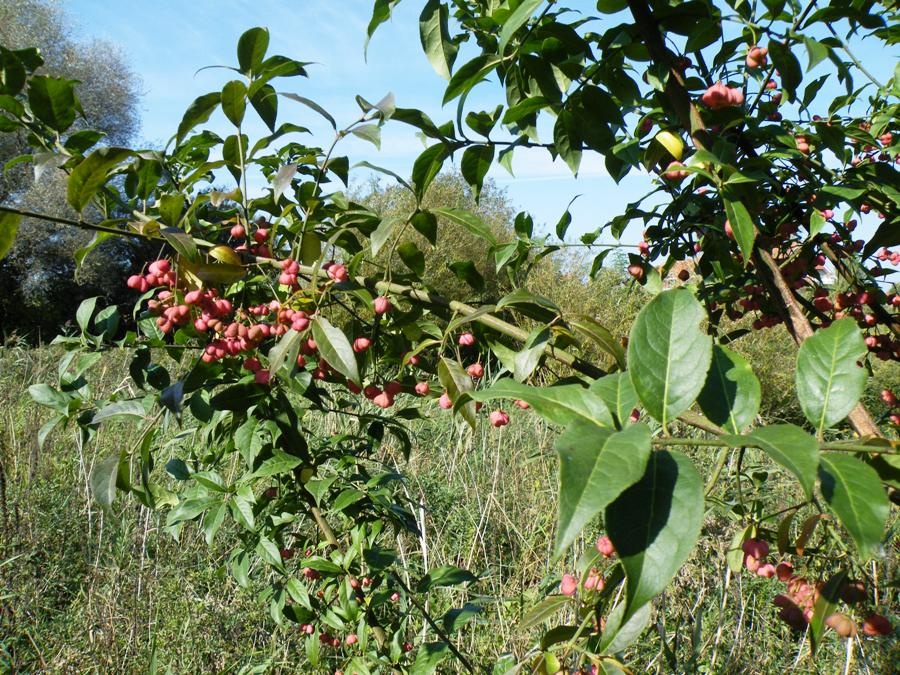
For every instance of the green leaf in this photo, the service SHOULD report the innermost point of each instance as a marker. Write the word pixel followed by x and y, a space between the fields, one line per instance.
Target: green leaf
pixel 447 575
pixel 284 352
pixel 383 232
pixel 788 67
pixel 457 382
pixel 617 636
pixel 435 37
pixel 854 492
pixel 182 242
pixel 601 335
pixel 816 51
pixel 103 480
pixel 668 354
pixel 427 166
pixel 170 208
pixel 251 49
pixel 829 380
pixel 412 257
pixel 234 101
pixel 476 161
pixel 91 174
pixel 465 270
pixel 618 393
pixel 742 225
pixel 309 103
pixel 469 75
pixel 429 657
pixel 524 298
pixel 567 139
pixel 654 525
pixel 456 618
pixel 826 602
pixel 119 409
pixel 515 21
pixel 198 112
pixel 52 100
pixel 84 313
pixel 265 102
pixel 45 395
pixel 543 611
pixel 731 395
pixel 595 466
pixel 9 226
pixel 563 404
pixel 791 447
pixel 278 463
pixel 335 348
pixel 468 220
pixel 381 12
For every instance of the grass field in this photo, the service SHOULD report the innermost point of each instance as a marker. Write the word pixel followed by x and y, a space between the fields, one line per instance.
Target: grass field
pixel 84 591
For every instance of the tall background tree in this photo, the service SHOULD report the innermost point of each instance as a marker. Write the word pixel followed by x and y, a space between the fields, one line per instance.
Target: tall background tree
pixel 40 269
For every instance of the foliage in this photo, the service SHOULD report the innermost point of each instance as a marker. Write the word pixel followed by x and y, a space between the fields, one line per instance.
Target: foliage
pixel 274 315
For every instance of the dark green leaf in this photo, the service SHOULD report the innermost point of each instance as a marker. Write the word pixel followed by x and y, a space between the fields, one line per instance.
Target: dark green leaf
pixel 742 225
pixel 595 466
pixel 854 492
pixel 444 576
pixel 476 161
pixel 788 67
pixel 52 100
pixel 251 49
pixel 654 525
pixel 515 21
pixel 791 447
pixel 618 393
pixel 468 220
pixel 427 166
pixel 731 394
pixel 412 257
pixel 234 101
pixel 604 339
pixel 469 75
pixel 197 113
pixel 92 173
pixel 265 102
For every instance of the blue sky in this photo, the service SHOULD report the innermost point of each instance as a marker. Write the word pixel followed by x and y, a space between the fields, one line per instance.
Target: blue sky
pixel 167 42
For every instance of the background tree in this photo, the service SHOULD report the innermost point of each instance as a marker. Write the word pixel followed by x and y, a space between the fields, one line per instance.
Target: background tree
pixel 40 269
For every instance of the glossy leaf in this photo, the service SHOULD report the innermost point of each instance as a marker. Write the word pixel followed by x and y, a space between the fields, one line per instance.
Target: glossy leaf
pixel 52 100
pixel 312 105
pixel 618 393
pixel 435 36
pixel 335 348
pixel 654 525
pixel 742 226
pixel 476 161
pixel 595 466
pixel 457 382
pixel 829 379
pixel 561 405
pixel 788 67
pixel 468 220
pixel 445 576
pixel 791 447
pixel 731 395
pixel 854 492
pixel 515 21
pixel 668 354
pixel 426 167
pixel 604 339
pixel 103 480
pixel 92 173
pixel 234 101
pixel 198 112
pixel 251 49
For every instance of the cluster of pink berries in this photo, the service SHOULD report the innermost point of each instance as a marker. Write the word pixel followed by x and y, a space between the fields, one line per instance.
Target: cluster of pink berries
pixel 236 339
pixel 756 56
pixel 721 96
pixel 891 402
pixel 259 236
pixel 886 255
pixel 289 270
pixel 594 580
pixel 797 604
pixel 872 153
pixel 159 273
pixel 337 272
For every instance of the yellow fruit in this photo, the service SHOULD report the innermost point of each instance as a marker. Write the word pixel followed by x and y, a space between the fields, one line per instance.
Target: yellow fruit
pixel 225 254
pixel 672 143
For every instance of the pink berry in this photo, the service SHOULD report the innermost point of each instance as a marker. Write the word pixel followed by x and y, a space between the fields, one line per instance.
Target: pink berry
pixel 475 371
pixel 382 305
pixel 521 405
pixel 569 585
pixel 352 639
pixel 260 235
pixel 262 377
pixel 445 402
pixel 422 388
pixel 338 273
pixel 758 548
pixel 767 570
pixel 466 340
pixel 238 232
pixel 361 344
pixel 605 547
pixel 499 418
